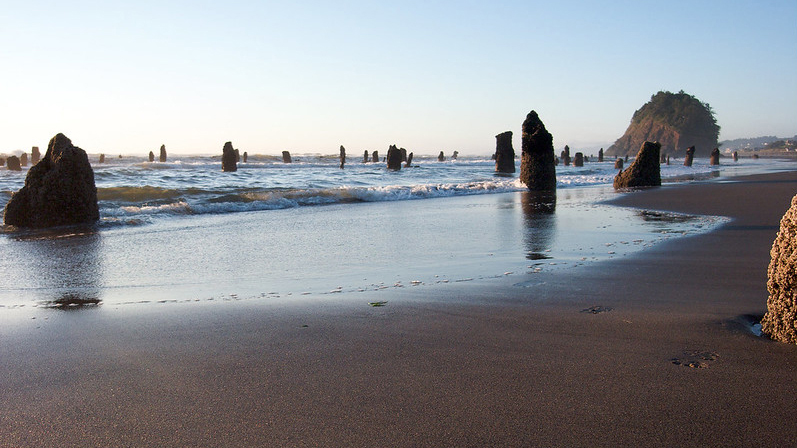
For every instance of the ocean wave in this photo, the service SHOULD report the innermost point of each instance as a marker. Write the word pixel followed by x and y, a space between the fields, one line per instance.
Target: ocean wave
pixel 136 194
pixel 152 200
pixel 132 191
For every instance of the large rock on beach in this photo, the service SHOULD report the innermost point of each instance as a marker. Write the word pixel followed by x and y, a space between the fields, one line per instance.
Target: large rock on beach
pixel 600 155
pixel 375 156
pixel 537 167
pixel 441 157
pixel 618 164
pixel 59 190
pixel 690 156
pixel 23 159
pixel 393 158
pixel 286 157
pixel 715 157
pixel 229 162
pixel 162 157
pixel 35 155
pixel 409 160
pixel 151 156
pixel 579 159
pixel 504 153
pixel 780 321
pixel 365 156
pixel 2 161
pixel 645 171
pixel 12 163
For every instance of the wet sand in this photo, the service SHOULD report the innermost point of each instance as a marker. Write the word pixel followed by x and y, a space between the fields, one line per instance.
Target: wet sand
pixel 669 359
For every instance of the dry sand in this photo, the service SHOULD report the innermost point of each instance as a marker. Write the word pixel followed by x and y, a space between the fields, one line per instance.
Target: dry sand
pixel 673 363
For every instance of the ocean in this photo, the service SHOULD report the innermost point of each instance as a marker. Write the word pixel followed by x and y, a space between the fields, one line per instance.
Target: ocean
pixel 183 231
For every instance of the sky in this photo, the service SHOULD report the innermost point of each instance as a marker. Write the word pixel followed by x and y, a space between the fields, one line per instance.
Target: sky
pixel 429 76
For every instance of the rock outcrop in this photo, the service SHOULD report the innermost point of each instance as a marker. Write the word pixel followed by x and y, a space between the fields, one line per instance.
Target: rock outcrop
pixel 736 156
pixel 162 157
pixel 780 321
pixel 455 155
pixel 35 155
pixel 409 161
pixel 246 156
pixel 441 157
pixel 645 171
pixel 375 156
pixel 565 156
pixel 537 168
pixel 151 156
pixel 23 159
pixel 229 162
pixel 579 159
pixel 12 163
pixel 676 120
pixel 393 158
pixel 102 158
pixel 286 157
pixel 504 153
pixel 690 156
pixel 600 155
pixel 342 156
pixel 365 156
pixel 618 164
pixel 2 161
pixel 59 190
pixel 715 157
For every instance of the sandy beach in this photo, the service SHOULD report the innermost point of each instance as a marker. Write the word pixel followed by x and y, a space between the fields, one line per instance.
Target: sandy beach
pixel 652 349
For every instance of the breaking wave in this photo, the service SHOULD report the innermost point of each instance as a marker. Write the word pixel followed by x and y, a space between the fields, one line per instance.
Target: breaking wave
pixel 125 202
pixel 133 191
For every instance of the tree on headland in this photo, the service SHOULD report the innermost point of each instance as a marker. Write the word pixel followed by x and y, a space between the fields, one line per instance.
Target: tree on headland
pixel 676 120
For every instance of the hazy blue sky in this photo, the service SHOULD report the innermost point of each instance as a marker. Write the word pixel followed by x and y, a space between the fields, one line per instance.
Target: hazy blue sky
pixel 126 77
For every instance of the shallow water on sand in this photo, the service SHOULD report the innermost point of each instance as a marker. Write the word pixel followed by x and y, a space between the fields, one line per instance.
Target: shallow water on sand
pixel 183 232
pixel 346 248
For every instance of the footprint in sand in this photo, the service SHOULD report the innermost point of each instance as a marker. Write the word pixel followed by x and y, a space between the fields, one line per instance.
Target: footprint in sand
pixel 697 359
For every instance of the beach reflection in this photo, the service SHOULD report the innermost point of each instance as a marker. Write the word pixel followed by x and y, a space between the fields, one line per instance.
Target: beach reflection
pixel 539 210
pixel 63 268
